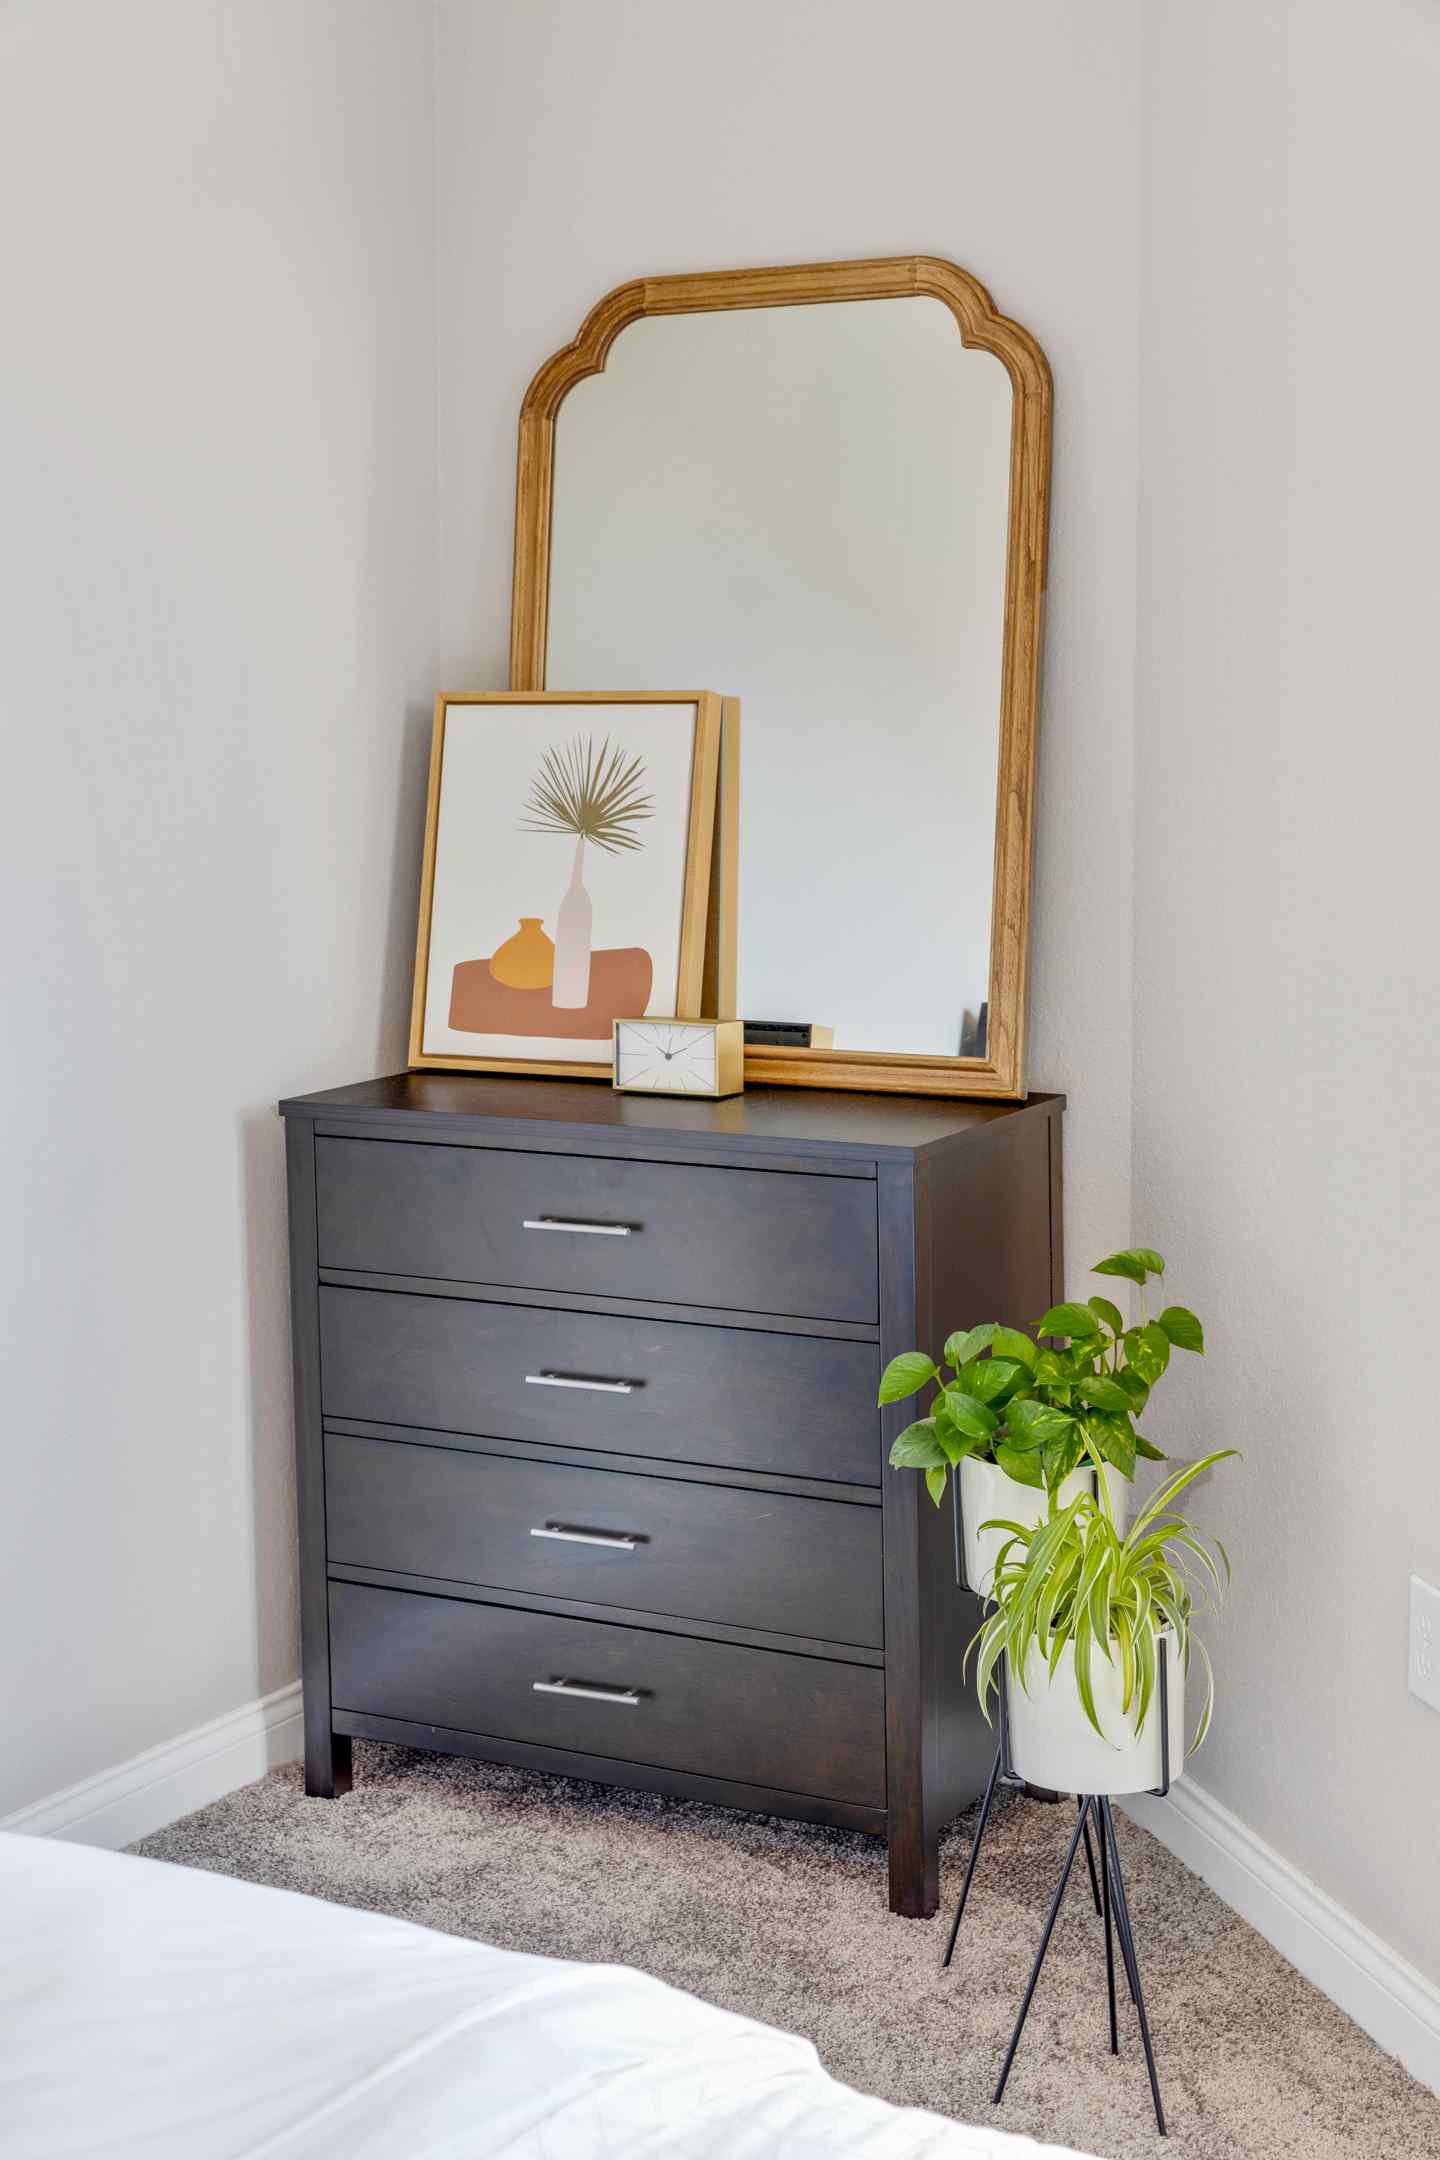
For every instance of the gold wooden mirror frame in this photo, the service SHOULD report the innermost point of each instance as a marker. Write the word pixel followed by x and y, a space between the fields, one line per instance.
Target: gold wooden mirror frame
pixel 1001 1071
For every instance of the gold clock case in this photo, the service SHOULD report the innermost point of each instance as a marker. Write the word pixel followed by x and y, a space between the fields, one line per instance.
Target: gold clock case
pixel 729 1054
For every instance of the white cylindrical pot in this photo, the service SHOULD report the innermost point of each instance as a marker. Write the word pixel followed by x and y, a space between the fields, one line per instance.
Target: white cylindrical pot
pixel 1054 1745
pixel 986 1491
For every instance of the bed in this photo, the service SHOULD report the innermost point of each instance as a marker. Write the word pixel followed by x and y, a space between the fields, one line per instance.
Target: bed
pixel 155 2011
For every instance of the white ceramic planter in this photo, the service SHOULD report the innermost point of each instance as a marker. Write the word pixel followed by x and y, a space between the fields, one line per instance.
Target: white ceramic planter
pixel 1054 1745
pixel 986 1492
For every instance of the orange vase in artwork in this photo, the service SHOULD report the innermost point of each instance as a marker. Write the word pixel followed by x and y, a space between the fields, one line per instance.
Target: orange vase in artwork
pixel 525 961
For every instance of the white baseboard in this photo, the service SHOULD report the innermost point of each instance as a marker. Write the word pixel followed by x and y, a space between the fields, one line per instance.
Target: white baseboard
pixel 138 1797
pixel 1385 1996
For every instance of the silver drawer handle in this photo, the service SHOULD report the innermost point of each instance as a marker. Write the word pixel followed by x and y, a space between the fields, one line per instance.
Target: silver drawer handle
pixel 578 1229
pixel 596 1387
pixel 625 1695
pixel 586 1537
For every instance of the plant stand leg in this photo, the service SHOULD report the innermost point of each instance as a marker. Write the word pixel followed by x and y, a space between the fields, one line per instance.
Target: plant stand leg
pixel 1040 1954
pixel 975 1844
pixel 1127 1951
pixel 1090 1854
pixel 1109 1937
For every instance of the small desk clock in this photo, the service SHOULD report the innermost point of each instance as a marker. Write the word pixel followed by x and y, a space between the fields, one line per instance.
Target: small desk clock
pixel 680 1057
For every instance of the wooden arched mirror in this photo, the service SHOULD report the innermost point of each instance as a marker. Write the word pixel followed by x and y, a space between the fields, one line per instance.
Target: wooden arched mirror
pixel 823 490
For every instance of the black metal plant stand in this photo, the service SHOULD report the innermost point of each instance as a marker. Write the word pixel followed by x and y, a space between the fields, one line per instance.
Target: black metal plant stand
pixel 1111 1902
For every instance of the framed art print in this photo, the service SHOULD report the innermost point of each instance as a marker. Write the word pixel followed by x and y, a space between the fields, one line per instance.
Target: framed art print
pixel 570 870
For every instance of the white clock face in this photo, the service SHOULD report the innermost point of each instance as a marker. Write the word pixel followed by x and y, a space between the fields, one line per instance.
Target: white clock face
pixel 666 1057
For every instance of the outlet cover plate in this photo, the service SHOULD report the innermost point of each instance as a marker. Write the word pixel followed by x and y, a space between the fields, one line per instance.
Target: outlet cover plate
pixel 1425 1642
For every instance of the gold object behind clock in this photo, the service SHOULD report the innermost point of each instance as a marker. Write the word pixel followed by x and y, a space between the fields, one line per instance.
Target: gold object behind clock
pixel 689 1059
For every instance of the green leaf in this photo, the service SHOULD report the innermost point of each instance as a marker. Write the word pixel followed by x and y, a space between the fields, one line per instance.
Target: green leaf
pixel 1061 1457
pixel 1035 1424
pixel 1103 1393
pixel 1137 1389
pixel 991 1377
pixel 935 1485
pixel 1075 1321
pixel 1053 1368
pixel 1182 1327
pixel 967 1343
pixel 1158 1343
pixel 1082 1639
pixel 1145 1653
pixel 1102 1585
pixel 1111 1314
pixel 989 1640
pixel 1022 1465
pixel 956 1444
pixel 1008 1342
pixel 905 1375
pixel 1159 1501
pixel 1060 1580
pixel 1148 1349
pixel 1151 1454
pixel 1113 1437
pixel 968 1414
pixel 918 1448
pixel 1204 1726
pixel 1135 1263
pixel 1177 1536
pixel 1125 1636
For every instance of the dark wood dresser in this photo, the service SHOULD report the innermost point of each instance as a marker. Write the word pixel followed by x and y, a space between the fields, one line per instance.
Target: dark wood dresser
pixel 591 1477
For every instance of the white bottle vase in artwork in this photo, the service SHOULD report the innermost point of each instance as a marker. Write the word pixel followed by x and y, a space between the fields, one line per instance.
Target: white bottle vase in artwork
pixel 571 988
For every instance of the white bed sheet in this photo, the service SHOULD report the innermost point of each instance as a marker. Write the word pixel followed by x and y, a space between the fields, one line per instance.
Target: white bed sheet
pixel 161 2012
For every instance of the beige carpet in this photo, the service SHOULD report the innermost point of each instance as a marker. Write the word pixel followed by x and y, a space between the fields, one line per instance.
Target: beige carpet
pixel 788 1923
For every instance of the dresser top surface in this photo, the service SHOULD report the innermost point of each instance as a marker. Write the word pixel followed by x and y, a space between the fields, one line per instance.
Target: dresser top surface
pixel 765 1118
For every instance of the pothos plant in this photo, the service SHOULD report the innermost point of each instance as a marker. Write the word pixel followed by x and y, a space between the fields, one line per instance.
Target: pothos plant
pixel 1040 1406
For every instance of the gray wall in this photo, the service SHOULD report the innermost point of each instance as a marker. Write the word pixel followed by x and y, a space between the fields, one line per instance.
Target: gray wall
pixel 216 531
pixel 1287 988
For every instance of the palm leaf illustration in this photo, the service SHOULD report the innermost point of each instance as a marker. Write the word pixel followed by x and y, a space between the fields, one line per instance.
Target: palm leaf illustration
pixel 596 795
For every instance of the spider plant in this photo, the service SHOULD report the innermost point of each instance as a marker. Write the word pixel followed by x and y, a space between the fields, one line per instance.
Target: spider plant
pixel 1039 1408
pixel 595 795
pixel 1074 1579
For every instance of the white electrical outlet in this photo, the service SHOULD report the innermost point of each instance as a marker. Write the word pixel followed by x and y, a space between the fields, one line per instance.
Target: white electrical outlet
pixel 1425 1642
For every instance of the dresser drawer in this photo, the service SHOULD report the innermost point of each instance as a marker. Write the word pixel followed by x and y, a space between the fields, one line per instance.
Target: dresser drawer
pixel 753 1240
pixel 740 1398
pixel 701 1552
pixel 802 1724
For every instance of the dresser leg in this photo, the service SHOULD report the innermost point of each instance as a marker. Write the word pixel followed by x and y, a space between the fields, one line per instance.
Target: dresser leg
pixel 914 1870
pixel 327 1766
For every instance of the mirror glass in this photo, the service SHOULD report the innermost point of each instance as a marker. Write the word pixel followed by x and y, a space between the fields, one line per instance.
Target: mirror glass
pixel 807 507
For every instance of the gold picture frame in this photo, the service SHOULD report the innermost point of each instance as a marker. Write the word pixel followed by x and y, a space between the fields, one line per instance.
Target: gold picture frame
pixel 1000 1072
pixel 705 943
